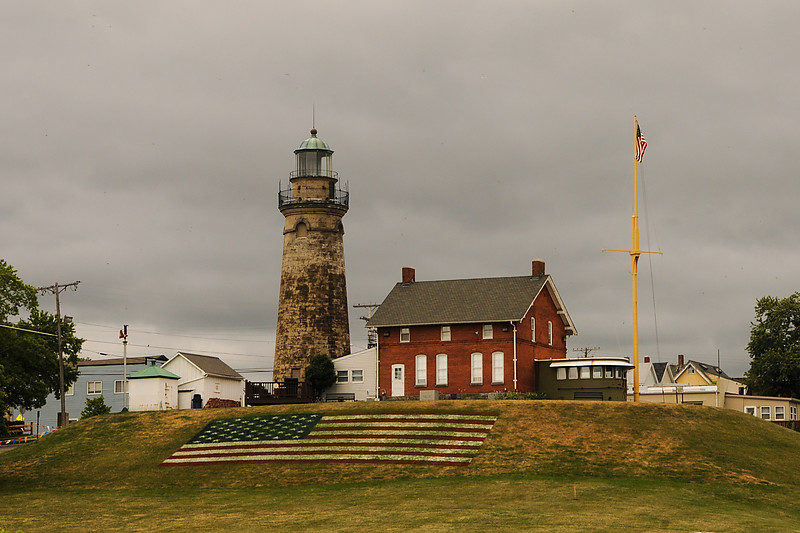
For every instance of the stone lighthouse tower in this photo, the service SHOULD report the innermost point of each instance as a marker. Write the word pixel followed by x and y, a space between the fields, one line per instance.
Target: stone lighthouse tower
pixel 312 306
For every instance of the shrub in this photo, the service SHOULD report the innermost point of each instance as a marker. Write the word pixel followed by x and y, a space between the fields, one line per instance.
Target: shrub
pixel 95 406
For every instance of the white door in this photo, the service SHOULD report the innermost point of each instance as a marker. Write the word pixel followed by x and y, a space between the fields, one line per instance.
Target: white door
pixel 398 380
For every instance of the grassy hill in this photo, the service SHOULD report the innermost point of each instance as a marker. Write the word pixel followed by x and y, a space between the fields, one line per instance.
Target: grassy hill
pixel 574 465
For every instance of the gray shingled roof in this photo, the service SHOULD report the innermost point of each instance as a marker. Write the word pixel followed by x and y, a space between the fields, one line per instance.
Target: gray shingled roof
pixel 461 301
pixel 212 365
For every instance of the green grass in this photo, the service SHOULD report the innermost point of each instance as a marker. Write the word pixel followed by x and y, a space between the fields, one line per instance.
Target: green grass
pixel 637 467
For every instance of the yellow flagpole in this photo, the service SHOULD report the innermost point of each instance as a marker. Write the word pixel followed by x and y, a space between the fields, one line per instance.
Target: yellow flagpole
pixel 635 252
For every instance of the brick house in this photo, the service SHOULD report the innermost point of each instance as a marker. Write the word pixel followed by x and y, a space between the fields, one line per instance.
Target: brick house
pixel 468 336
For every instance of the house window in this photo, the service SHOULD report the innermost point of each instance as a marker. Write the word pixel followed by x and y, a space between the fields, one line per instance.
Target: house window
pixel 405 335
pixel 561 373
pixel 498 372
pixel 765 412
pixel 94 387
pixel 120 386
pixel 585 372
pixel 422 370
pixel 691 370
pixel 750 410
pixel 533 329
pixel 487 331
pixel 549 333
pixel 445 333
pixel 476 372
pixel 573 372
pixel 70 391
pixel 341 376
pixel 441 369
pixel 597 372
pixel 357 376
pixel 792 412
pixel 780 412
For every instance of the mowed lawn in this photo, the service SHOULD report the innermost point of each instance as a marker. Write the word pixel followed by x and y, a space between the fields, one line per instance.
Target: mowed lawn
pixel 548 466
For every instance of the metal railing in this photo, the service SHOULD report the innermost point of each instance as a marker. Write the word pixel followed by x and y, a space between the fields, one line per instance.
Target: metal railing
pixel 313 173
pixel 277 392
pixel 337 197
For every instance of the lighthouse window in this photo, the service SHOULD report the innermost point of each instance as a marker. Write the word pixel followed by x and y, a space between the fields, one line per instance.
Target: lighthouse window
pixel 302 230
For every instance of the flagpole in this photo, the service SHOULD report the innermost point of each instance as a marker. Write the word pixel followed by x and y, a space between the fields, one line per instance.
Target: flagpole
pixel 635 253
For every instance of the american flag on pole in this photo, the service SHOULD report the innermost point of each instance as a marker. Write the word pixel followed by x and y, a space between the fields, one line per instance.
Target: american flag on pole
pixel 412 438
pixel 641 144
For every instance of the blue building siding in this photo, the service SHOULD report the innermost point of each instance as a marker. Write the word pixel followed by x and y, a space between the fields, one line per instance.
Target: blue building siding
pixel 102 374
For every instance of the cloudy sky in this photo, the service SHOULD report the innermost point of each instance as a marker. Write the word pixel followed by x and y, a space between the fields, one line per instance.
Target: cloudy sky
pixel 143 144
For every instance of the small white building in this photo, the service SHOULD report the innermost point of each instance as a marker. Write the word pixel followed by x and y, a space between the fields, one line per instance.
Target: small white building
pixel 153 389
pixel 203 377
pixel 356 377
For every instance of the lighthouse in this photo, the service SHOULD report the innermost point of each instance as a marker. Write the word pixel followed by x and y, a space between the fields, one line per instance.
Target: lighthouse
pixel 312 304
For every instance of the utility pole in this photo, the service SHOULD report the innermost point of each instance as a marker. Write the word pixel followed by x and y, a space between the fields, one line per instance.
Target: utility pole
pixel 372 335
pixel 58 289
pixel 586 351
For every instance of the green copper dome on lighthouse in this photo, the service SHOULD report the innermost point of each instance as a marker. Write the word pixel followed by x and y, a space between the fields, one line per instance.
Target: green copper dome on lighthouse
pixel 314 143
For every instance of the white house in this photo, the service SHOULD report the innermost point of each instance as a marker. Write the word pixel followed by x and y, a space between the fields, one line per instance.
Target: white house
pixel 153 389
pixel 203 377
pixel 356 377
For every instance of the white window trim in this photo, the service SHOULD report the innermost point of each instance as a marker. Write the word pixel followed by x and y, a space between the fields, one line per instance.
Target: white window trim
pixel 753 407
pixel 765 409
pixel 353 376
pixel 533 329
pixel 441 368
pixel 88 392
pixel 346 376
pixel 783 412
pixel 123 387
pixel 446 334
pixel 405 332
pixel 488 331
pixel 498 357
pixel 421 368
pixel 70 390
pixel 476 378
pixel 549 333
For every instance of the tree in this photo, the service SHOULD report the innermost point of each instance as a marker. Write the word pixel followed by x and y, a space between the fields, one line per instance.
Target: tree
pixel 774 347
pixel 95 406
pixel 320 373
pixel 29 368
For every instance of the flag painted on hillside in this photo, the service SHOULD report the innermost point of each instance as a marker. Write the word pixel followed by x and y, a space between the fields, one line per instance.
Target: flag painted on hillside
pixel 413 438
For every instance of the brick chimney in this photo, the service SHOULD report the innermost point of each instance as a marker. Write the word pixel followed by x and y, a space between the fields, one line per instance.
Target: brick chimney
pixel 408 275
pixel 537 268
pixel 680 359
